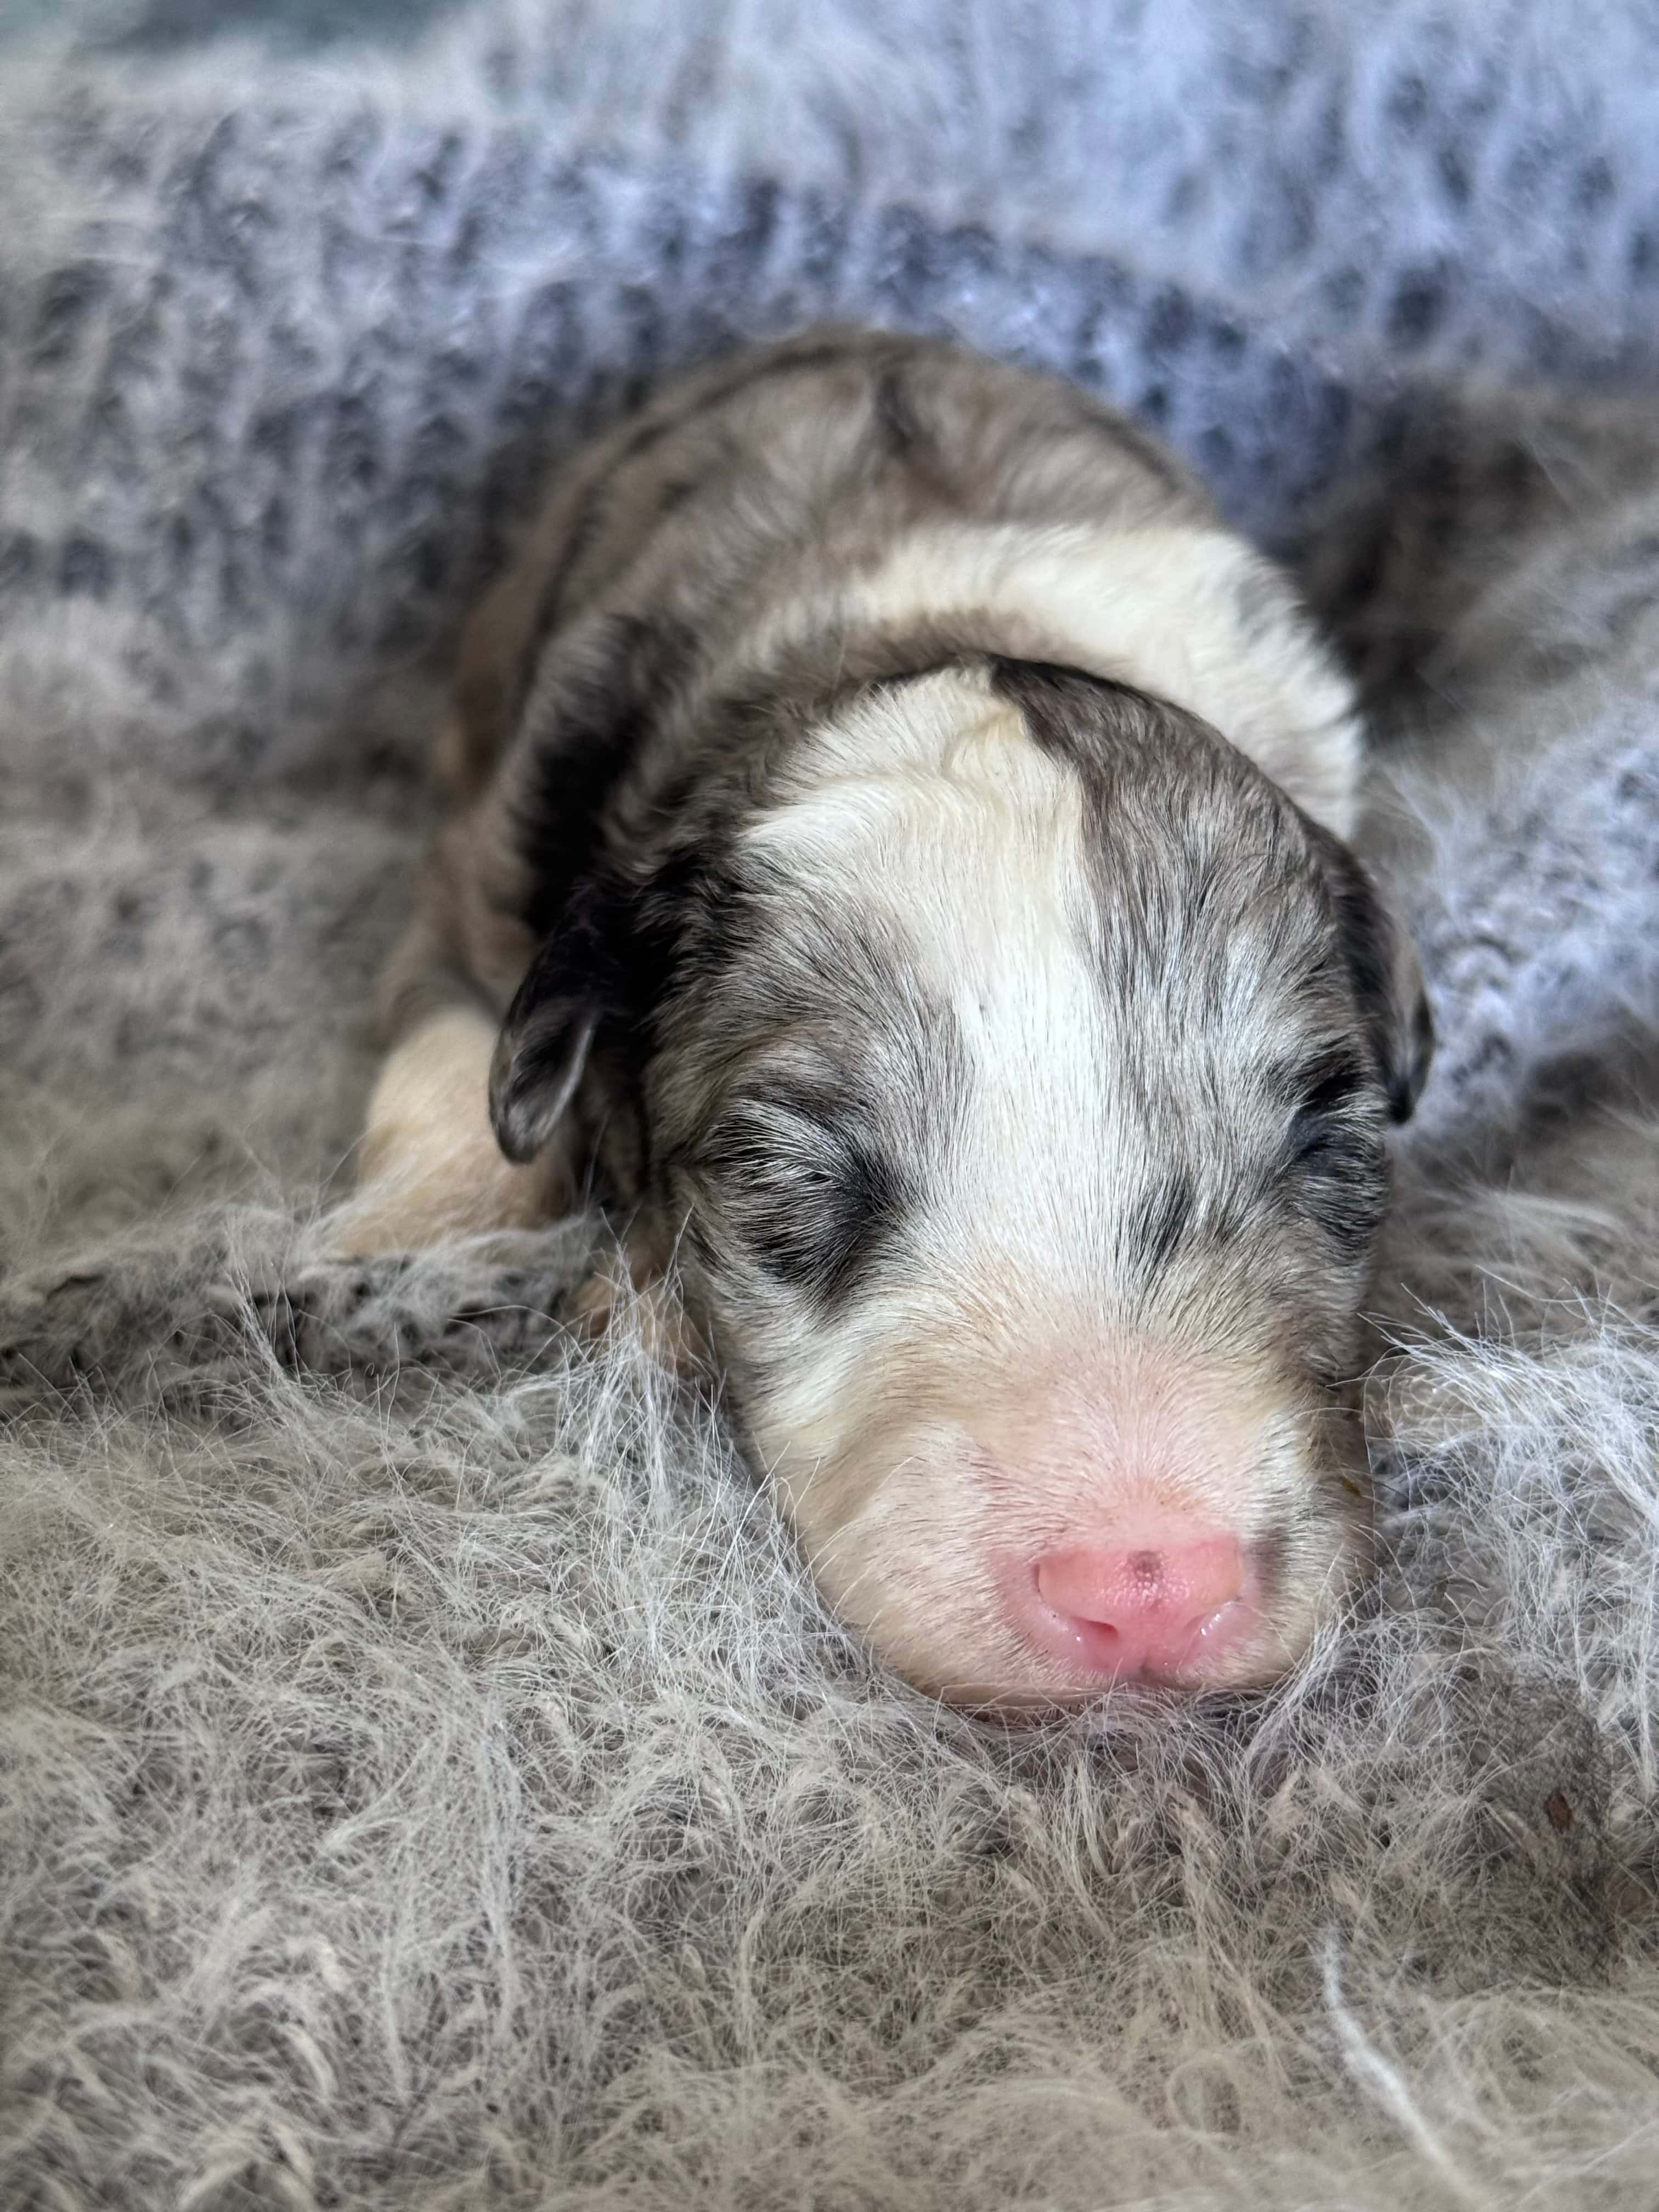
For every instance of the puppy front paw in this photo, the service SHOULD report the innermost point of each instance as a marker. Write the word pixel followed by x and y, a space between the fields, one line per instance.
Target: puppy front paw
pixel 430 1165
pixel 422 1203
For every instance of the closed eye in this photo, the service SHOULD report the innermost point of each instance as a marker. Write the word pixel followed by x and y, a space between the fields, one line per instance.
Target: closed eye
pixel 1327 1126
pixel 1336 1164
pixel 807 1186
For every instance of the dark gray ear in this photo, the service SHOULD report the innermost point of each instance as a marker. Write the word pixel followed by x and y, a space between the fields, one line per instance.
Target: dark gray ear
pixel 604 964
pixel 1388 978
pixel 542 1049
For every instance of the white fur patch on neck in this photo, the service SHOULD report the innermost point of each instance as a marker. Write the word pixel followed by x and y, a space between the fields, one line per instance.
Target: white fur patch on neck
pixel 1192 616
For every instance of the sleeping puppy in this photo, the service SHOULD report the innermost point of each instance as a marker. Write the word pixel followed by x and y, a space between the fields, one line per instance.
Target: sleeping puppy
pixel 899 860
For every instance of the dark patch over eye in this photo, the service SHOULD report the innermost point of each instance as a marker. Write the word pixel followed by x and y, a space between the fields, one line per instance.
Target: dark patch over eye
pixel 809 1190
pixel 1334 1159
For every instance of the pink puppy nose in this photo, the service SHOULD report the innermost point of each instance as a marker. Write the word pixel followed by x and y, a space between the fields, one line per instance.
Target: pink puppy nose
pixel 1141 1608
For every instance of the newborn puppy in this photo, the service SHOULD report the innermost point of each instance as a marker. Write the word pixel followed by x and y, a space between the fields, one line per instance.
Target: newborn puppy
pixel 901 829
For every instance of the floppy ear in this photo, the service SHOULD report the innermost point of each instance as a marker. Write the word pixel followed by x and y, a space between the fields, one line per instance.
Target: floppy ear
pixel 1387 979
pixel 571 985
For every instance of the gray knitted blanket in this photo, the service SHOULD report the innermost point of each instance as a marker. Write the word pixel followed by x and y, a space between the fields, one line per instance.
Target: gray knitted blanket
pixel 427 1778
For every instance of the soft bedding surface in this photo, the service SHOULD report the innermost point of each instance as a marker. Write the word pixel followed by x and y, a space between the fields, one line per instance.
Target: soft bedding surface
pixel 427 1778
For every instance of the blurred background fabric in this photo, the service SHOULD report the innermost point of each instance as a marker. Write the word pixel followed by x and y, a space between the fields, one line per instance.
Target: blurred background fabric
pixel 298 302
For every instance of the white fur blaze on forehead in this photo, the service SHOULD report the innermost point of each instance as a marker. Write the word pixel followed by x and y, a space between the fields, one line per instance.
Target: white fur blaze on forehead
pixel 934 809
pixel 1190 616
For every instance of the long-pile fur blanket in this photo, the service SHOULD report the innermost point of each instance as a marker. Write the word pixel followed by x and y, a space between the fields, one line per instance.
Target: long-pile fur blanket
pixel 427 1778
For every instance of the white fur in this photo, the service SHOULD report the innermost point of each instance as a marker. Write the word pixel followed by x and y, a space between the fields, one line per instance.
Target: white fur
pixel 1157 608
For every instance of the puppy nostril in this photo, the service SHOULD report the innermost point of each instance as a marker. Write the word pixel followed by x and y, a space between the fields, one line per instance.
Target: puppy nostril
pixel 1141 1610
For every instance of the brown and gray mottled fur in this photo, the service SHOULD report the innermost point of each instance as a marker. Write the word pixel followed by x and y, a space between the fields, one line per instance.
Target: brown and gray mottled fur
pixel 901 830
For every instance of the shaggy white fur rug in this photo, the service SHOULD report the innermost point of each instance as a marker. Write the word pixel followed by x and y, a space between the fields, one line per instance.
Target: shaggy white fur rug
pixel 427 1779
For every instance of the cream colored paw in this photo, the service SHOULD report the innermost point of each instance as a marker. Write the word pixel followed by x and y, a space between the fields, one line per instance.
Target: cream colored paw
pixel 430 1167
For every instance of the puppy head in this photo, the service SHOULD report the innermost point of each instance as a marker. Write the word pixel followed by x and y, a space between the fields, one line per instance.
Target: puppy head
pixel 1016 1063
